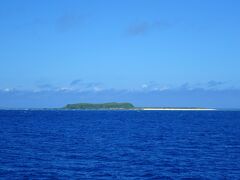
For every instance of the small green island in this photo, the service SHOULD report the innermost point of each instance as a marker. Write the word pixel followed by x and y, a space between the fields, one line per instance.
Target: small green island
pixel 127 106
pixel 112 105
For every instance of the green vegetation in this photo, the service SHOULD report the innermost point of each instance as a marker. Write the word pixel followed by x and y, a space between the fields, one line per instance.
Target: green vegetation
pixel 100 106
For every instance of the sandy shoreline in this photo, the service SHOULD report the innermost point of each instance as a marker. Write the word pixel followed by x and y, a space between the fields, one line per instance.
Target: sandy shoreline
pixel 176 109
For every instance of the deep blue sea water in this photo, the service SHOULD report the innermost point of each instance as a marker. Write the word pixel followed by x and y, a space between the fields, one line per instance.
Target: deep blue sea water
pixel 119 144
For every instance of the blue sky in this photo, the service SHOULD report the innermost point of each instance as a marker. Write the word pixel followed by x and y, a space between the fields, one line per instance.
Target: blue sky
pixel 93 50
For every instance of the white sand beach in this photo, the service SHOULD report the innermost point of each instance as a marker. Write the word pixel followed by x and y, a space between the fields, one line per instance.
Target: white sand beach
pixel 177 109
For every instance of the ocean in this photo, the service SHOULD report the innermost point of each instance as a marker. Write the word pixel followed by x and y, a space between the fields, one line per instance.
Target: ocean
pixel 42 144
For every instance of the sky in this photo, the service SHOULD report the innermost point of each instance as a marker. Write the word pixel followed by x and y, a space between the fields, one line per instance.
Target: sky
pixel 149 52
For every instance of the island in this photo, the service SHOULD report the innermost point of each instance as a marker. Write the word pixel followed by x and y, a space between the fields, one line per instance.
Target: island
pixel 112 105
pixel 128 106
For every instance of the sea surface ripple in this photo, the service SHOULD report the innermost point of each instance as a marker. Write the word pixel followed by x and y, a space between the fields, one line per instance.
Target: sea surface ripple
pixel 119 145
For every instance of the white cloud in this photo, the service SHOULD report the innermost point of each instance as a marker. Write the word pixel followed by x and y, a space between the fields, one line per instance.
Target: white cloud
pixel 152 86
